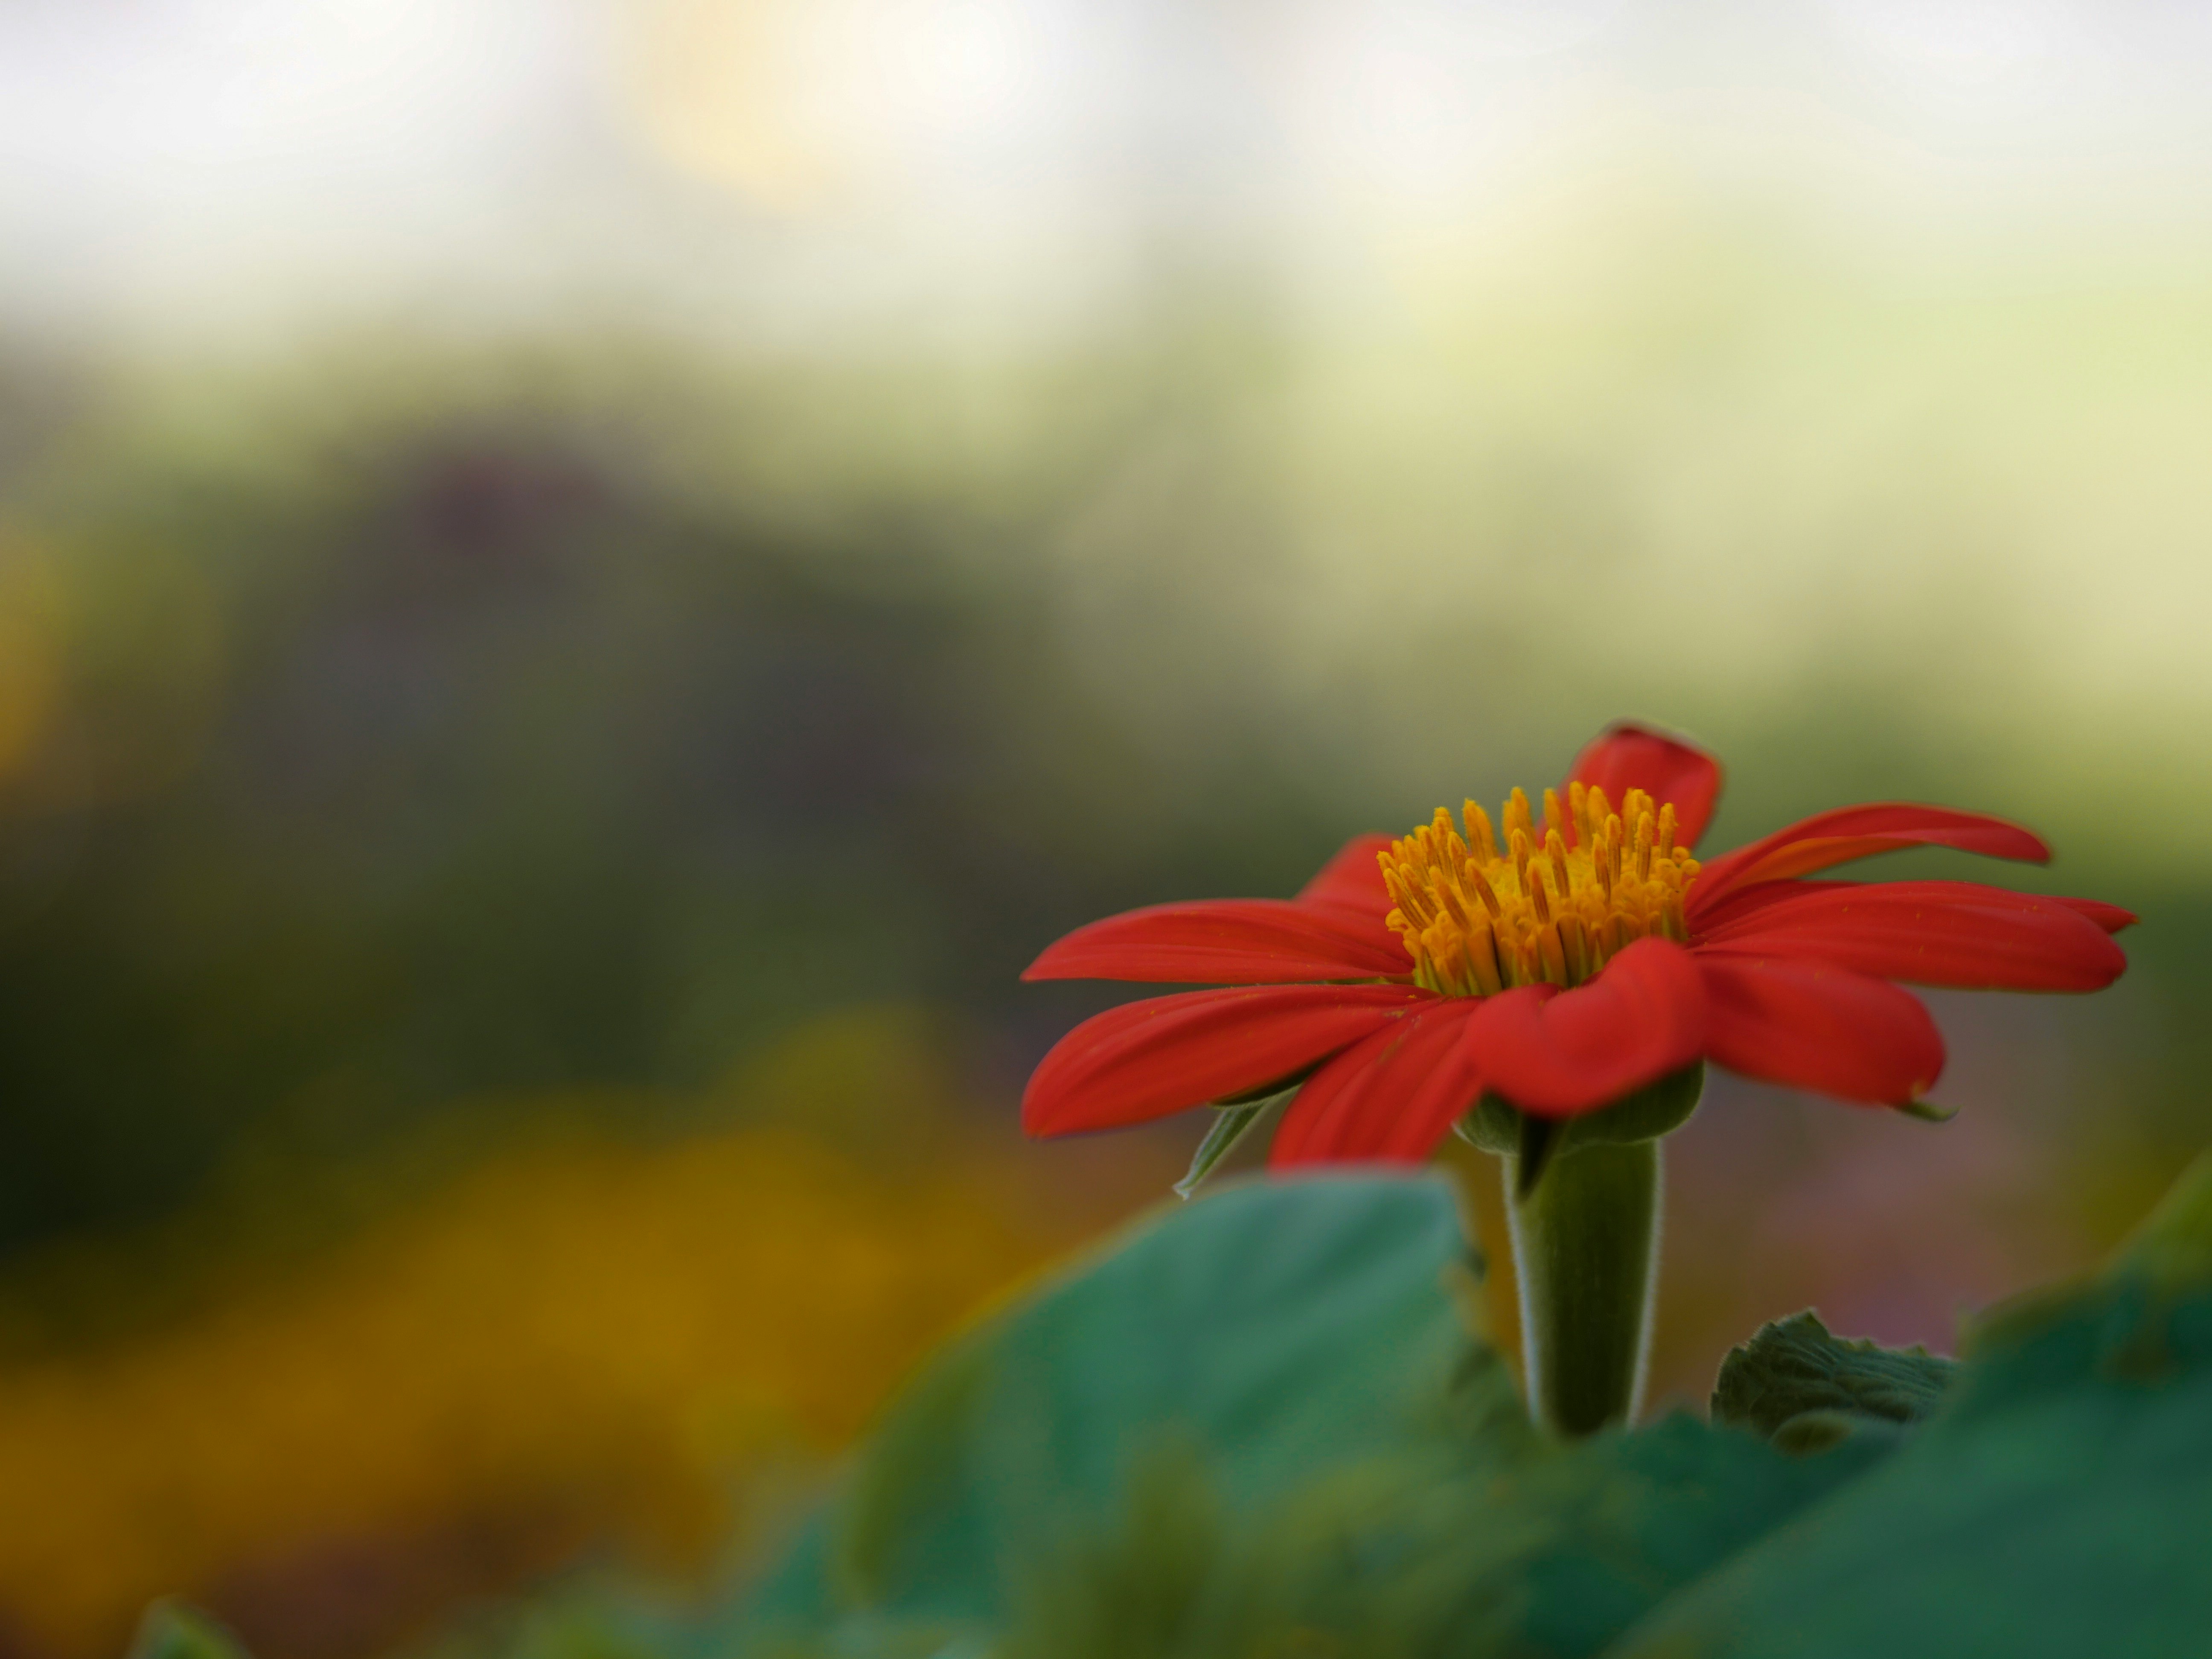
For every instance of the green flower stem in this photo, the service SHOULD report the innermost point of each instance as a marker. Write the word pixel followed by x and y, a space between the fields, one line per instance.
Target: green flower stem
pixel 1586 1253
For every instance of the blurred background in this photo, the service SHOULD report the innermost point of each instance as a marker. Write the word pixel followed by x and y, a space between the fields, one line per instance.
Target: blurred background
pixel 583 583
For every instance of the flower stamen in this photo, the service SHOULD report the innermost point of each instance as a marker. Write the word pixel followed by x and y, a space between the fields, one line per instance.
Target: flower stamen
pixel 1515 814
pixel 1554 907
pixel 1479 839
pixel 1483 889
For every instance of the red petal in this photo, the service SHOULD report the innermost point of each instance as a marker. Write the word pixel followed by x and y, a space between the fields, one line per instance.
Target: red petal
pixel 1813 1025
pixel 2110 917
pixel 1746 902
pixel 1148 1059
pixel 1959 933
pixel 1392 1096
pixel 1226 941
pixel 1855 832
pixel 1352 878
pixel 1630 757
pixel 1564 1053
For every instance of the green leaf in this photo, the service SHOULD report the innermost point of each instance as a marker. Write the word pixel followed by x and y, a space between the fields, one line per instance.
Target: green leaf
pixel 2172 1248
pixel 1284 1327
pixel 1445 1548
pixel 1263 1425
pixel 1794 1369
pixel 2059 1504
pixel 1166 1577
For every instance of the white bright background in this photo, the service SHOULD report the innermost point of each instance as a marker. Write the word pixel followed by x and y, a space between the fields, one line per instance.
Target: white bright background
pixel 160 157
pixel 1720 337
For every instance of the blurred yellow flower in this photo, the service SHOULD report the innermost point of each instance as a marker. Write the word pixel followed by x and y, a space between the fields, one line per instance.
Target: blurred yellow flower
pixel 582 1339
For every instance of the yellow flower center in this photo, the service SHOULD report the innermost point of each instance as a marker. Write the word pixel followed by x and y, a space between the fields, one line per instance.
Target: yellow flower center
pixel 1477 920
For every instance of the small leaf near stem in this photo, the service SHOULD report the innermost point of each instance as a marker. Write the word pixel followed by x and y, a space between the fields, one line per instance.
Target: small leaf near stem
pixel 1231 1124
pixel 1794 1368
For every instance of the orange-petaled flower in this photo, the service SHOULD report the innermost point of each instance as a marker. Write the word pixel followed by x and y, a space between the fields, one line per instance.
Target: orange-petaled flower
pixel 1561 957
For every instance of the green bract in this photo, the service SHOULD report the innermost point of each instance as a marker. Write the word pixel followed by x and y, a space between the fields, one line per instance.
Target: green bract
pixel 1496 1125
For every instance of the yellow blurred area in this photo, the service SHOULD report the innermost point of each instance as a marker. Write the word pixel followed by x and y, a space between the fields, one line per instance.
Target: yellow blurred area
pixel 29 668
pixel 111 660
pixel 803 105
pixel 583 1332
pixel 708 94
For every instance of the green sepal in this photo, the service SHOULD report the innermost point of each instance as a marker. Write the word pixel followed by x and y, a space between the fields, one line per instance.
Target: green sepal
pixel 1231 1124
pixel 1658 1108
pixel 1540 1138
pixel 1926 1111
pixel 1805 1390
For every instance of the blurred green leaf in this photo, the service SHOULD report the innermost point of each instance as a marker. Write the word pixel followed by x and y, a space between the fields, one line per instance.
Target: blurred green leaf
pixel 1448 1547
pixel 1261 1422
pixel 1169 1576
pixel 1260 1428
pixel 2059 1504
pixel 1282 1326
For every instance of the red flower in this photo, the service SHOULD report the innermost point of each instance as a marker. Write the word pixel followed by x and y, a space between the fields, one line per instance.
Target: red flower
pixel 1562 964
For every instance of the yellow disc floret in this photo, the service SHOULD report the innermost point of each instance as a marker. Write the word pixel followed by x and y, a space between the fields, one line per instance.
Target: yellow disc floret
pixel 1546 905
